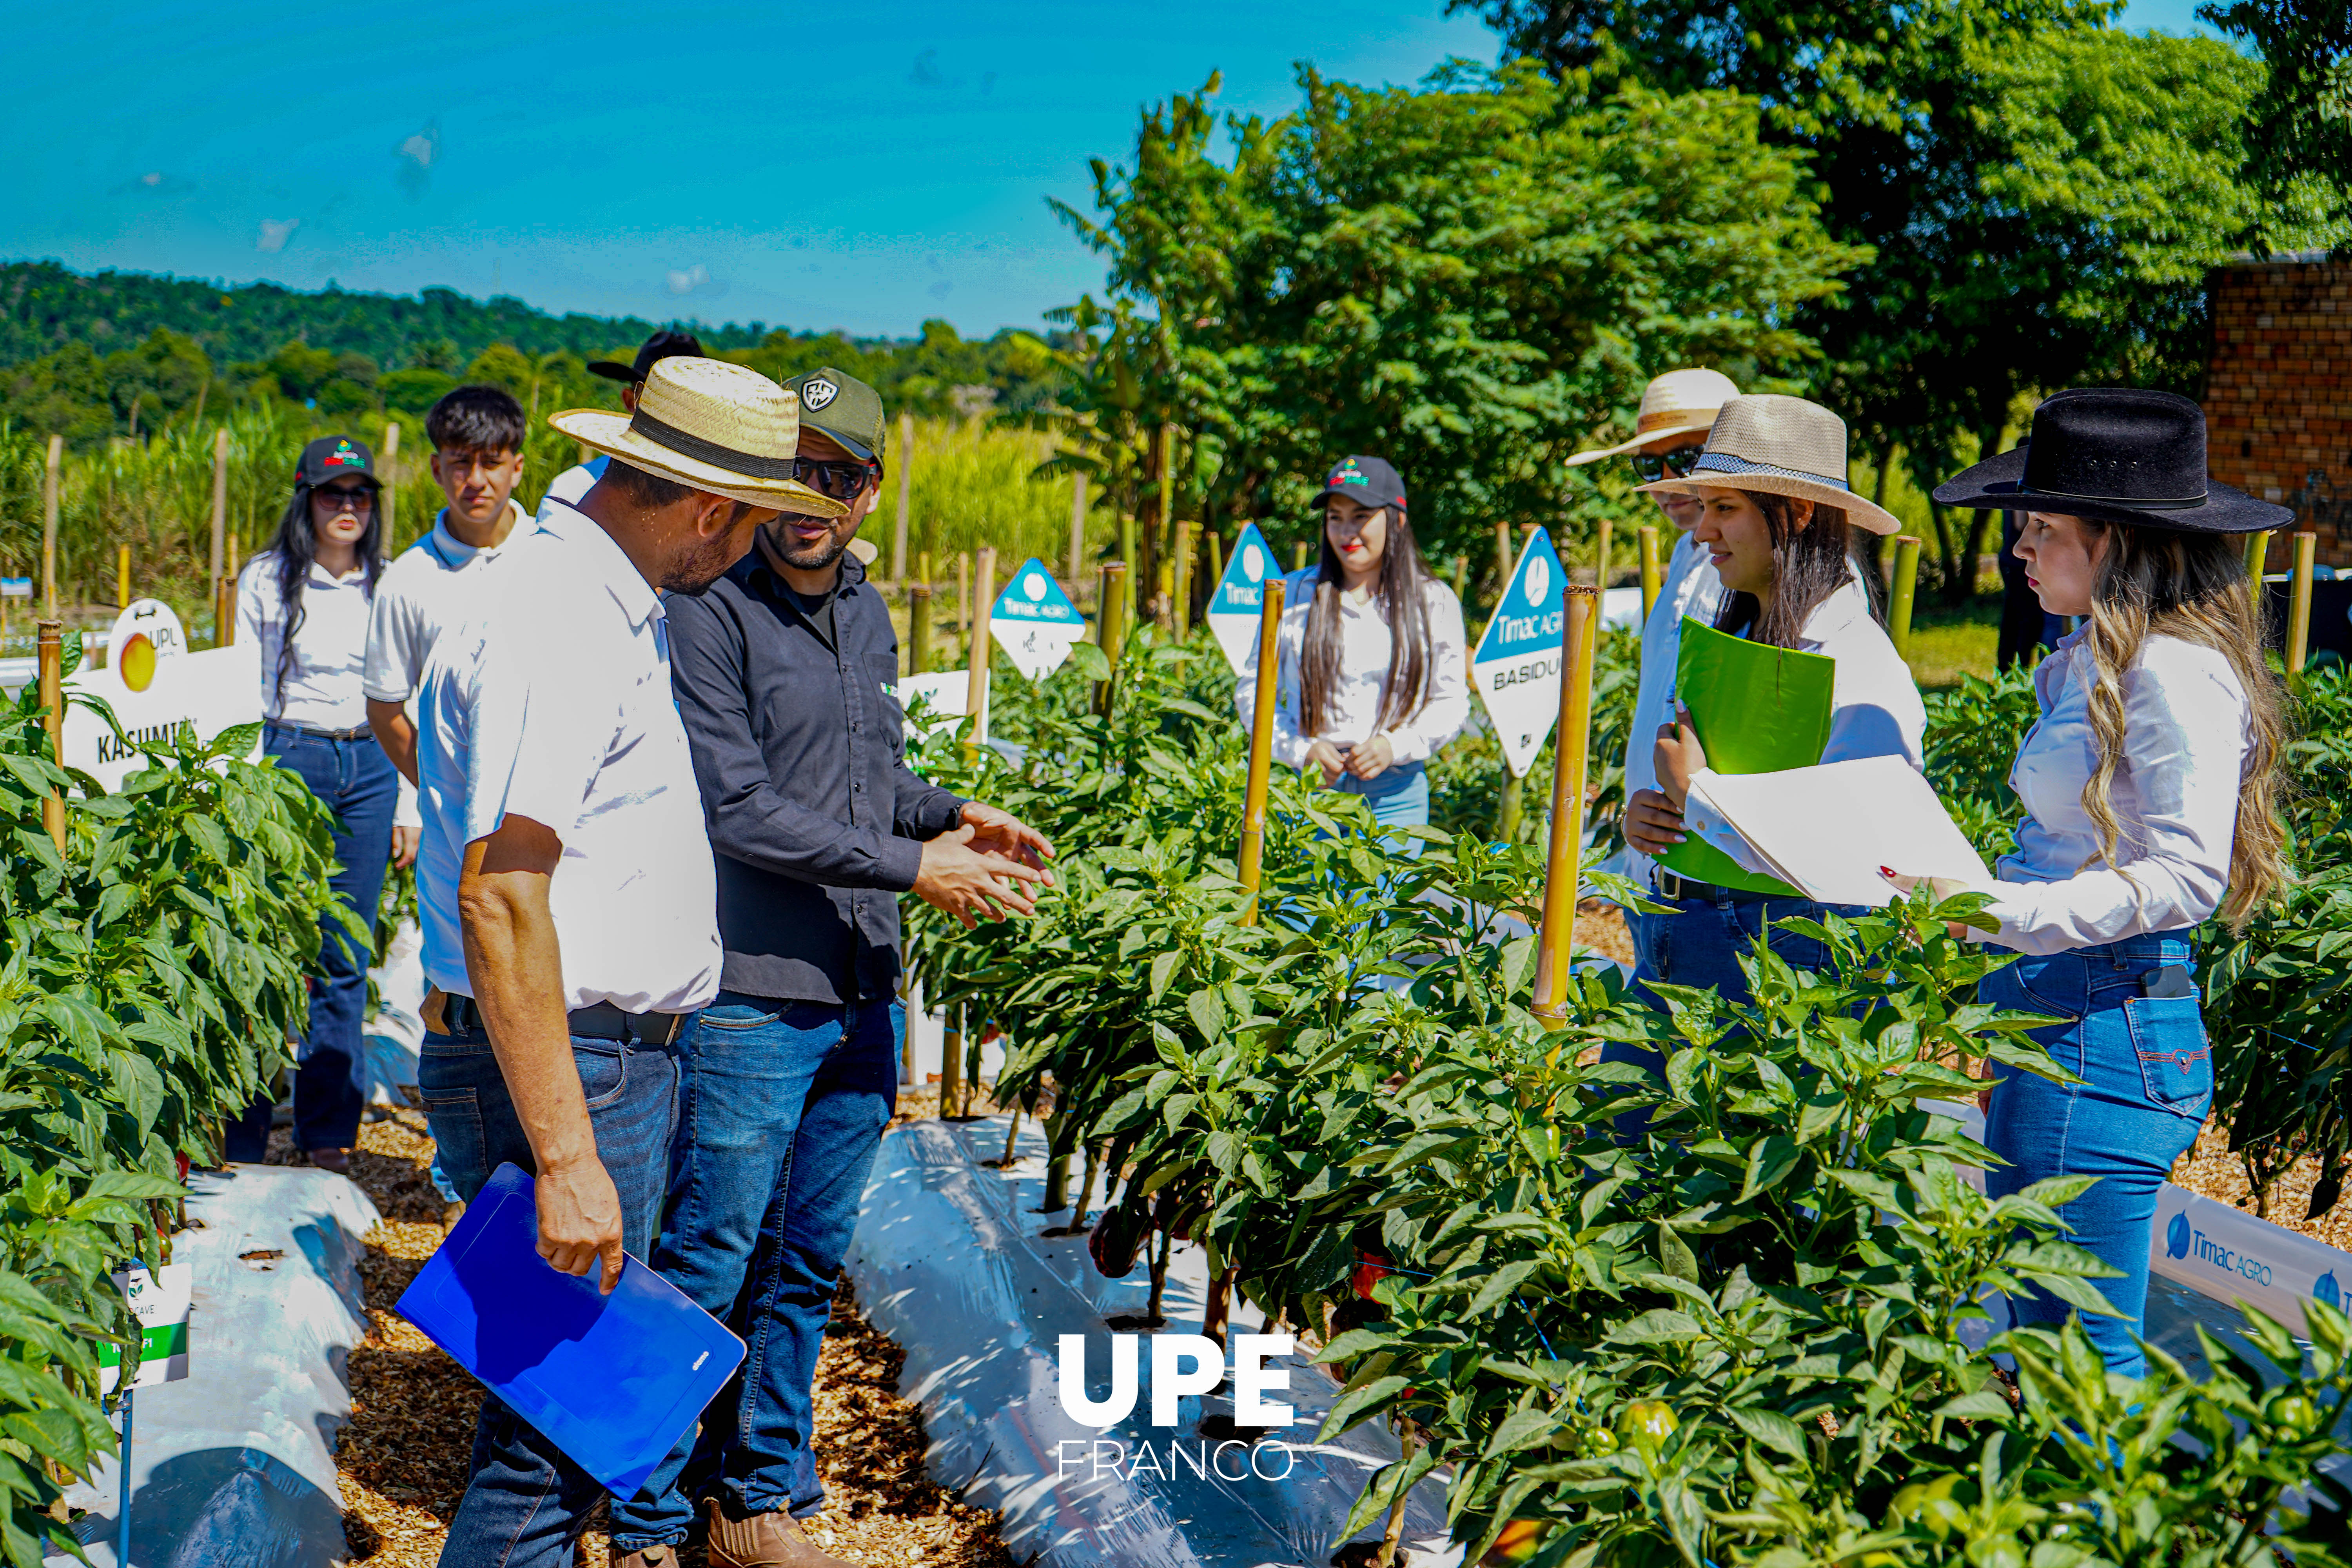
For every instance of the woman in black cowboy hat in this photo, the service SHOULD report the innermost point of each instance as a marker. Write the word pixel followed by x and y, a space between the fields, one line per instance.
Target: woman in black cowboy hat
pixel 2149 787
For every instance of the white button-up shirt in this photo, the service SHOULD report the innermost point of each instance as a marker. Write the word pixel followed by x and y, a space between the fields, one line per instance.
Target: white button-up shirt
pixel 1874 707
pixel 2187 730
pixel 1366 647
pixel 323 686
pixel 552 702
pixel 568 487
pixel 1691 588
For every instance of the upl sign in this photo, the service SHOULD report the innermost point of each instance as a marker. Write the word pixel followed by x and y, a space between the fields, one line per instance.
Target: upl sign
pixel 1516 667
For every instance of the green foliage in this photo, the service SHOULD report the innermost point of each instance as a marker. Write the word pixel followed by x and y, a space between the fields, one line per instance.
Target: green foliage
pixel 149 979
pixel 1739 1335
pixel 1974 730
pixel 2298 132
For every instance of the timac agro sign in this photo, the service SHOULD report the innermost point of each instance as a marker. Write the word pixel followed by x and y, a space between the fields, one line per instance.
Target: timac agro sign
pixel 2228 1254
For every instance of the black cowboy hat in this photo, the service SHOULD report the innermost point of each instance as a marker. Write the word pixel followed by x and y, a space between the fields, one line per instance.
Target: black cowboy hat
pixel 2119 455
pixel 660 346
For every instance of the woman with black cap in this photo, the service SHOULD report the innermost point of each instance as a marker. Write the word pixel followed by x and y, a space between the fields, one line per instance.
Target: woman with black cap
pixel 2149 786
pixel 1375 674
pixel 306 601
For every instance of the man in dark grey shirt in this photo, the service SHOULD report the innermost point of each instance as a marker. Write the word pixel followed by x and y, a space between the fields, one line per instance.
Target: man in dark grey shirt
pixel 783 672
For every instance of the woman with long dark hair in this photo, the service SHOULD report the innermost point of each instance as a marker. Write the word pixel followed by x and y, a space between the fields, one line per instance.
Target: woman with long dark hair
pixel 2150 786
pixel 1375 674
pixel 306 601
pixel 1779 521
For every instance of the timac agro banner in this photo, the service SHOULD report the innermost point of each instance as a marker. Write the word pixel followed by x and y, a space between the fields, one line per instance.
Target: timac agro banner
pixel 2230 1255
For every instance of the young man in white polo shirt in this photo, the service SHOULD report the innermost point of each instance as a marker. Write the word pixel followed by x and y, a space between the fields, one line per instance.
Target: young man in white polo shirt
pixel 579 931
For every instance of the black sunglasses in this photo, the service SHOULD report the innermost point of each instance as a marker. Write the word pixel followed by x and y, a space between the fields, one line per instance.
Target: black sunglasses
pixel 1677 462
pixel 842 481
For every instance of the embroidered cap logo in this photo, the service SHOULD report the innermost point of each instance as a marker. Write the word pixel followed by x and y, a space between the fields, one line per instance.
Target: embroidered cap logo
pixel 817 393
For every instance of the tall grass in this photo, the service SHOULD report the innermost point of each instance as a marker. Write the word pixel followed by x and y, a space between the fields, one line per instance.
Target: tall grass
pixel 972 486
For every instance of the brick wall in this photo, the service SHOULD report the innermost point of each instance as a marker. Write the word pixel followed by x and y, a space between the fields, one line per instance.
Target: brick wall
pixel 2278 401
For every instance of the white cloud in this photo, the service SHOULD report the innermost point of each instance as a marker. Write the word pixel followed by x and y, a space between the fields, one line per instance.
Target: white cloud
pixel 275 233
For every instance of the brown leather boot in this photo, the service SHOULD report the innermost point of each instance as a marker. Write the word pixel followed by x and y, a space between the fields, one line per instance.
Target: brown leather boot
pixel 763 1541
pixel 651 1557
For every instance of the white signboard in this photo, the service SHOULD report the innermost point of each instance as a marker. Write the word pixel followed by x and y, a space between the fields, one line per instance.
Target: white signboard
pixel 16 587
pixel 1233 607
pixel 1517 666
pixel 145 631
pixel 160 1302
pixel 1035 622
pixel 152 695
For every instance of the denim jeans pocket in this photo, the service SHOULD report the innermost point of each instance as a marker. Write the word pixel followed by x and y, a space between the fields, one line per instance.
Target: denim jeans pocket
pixel 2056 983
pixel 2176 1060
pixel 454 1118
pixel 734 1015
pixel 604 1071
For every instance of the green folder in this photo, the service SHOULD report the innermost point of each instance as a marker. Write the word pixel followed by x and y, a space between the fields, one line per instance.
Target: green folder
pixel 1757 710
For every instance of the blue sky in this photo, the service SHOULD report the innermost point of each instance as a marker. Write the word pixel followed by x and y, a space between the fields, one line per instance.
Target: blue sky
pixel 858 166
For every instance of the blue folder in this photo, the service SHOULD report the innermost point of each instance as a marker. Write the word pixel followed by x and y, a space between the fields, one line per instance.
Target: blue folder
pixel 613 1380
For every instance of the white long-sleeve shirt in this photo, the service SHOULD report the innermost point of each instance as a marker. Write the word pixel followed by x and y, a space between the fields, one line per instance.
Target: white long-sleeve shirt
pixel 1366 647
pixel 322 690
pixel 2186 729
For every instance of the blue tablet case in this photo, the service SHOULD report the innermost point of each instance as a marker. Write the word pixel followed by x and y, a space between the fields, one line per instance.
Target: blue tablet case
pixel 613 1380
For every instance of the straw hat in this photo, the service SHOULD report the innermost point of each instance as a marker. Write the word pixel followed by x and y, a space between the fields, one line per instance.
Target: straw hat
pixel 1679 402
pixel 721 428
pixel 1782 447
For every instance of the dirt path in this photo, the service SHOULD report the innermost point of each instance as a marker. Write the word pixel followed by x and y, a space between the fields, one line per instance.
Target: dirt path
pixel 402 1457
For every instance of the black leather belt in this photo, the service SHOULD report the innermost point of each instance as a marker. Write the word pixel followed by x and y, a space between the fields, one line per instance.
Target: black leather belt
pixel 601 1022
pixel 356 732
pixel 1668 885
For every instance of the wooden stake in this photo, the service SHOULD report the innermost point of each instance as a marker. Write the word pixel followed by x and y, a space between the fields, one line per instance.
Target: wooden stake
pixel 1167 519
pixel 950 1062
pixel 50 648
pixel 49 527
pixel 123 578
pixel 963 593
pixel 224 612
pixel 1461 578
pixel 388 497
pixel 1906 588
pixel 1601 556
pixel 1164 607
pixel 1077 528
pixel 1216 560
pixel 919 630
pixel 905 493
pixel 1179 607
pixel 220 506
pixel 1298 556
pixel 1505 558
pixel 976 691
pixel 1127 561
pixel 2298 614
pixel 1110 629
pixel 1562 864
pixel 1646 537
pixel 1261 754
pixel 2257 547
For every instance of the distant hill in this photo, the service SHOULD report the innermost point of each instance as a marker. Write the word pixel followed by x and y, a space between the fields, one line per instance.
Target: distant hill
pixel 44 306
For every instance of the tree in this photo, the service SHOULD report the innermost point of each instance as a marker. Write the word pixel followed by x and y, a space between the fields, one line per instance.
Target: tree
pixel 1472 278
pixel 2298 130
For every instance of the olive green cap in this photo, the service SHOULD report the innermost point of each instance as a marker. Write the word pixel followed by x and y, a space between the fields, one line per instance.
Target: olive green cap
pixel 843 406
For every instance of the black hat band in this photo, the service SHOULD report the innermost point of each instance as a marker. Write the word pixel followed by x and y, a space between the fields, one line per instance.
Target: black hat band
pixel 687 445
pixel 2126 502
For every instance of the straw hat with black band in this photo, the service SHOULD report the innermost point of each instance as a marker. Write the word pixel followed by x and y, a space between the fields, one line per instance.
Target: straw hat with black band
pixel 2115 454
pixel 1679 402
pixel 1781 446
pixel 721 428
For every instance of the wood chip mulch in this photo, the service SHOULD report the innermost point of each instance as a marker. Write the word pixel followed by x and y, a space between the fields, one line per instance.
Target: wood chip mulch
pixel 402 1457
pixel 2209 1169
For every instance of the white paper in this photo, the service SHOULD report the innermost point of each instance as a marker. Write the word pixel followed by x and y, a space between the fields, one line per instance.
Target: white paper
pixel 1826 830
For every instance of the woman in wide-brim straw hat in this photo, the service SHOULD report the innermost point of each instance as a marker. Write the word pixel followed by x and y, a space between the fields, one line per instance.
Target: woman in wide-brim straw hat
pixel 1779 523
pixel 2149 786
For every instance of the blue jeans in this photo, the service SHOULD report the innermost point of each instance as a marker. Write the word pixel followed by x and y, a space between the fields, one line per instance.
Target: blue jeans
pixel 2151 1081
pixel 356 780
pixel 1701 945
pixel 525 1501
pixel 1399 799
pixel 784 1104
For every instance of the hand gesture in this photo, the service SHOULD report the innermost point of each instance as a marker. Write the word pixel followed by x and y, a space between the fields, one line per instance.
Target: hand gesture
pixel 974 885
pixel 1370 759
pixel 1327 757
pixel 996 831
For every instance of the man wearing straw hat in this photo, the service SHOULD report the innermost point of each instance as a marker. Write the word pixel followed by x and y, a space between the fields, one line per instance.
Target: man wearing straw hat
pixel 554 745
pixel 1678 409
pixel 783 677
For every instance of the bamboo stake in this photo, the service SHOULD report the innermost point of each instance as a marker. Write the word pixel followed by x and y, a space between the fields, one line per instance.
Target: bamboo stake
pixel 1600 555
pixel 1562 864
pixel 224 612
pixel 123 578
pixel 1110 627
pixel 1077 527
pixel 220 505
pixel 2257 547
pixel 976 688
pixel 1646 536
pixel 1461 578
pixel 963 593
pixel 1127 560
pixel 1179 607
pixel 1906 589
pixel 906 492
pixel 390 494
pixel 1298 556
pixel 1216 559
pixel 919 630
pixel 50 647
pixel 1164 610
pixel 2298 616
pixel 951 1061
pixel 1505 558
pixel 49 527
pixel 1261 755
pixel 1167 528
